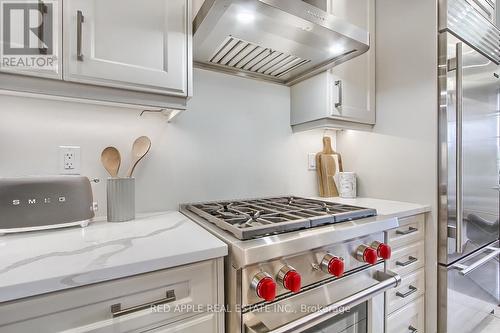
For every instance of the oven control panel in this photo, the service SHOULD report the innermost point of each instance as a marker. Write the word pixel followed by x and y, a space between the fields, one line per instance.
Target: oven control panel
pixel 265 282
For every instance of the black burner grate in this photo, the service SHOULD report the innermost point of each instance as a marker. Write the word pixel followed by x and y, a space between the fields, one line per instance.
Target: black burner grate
pixel 247 219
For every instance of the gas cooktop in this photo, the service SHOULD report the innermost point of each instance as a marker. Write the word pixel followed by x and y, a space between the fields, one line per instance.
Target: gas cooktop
pixel 255 218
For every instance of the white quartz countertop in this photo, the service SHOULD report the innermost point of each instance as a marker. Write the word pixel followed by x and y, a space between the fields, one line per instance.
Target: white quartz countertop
pixel 385 207
pixel 41 262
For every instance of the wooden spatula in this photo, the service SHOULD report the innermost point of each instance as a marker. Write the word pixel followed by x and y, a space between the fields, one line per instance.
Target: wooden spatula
pixel 139 150
pixel 111 160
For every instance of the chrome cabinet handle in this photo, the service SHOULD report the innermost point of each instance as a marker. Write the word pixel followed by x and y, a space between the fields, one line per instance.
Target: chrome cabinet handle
pixel 465 270
pixel 386 281
pixel 80 19
pixel 43 9
pixel 117 311
pixel 459 149
pixel 338 84
pixel 412 329
pixel 411 290
pixel 410 261
pixel 410 230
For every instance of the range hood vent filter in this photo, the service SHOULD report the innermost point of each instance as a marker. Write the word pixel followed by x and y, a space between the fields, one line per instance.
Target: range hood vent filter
pixel 280 41
pixel 242 55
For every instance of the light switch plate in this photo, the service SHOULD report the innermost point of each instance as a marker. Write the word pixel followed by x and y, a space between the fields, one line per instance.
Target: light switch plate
pixel 311 161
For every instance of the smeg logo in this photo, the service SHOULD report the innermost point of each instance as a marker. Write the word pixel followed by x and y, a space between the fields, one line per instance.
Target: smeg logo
pixel 35 201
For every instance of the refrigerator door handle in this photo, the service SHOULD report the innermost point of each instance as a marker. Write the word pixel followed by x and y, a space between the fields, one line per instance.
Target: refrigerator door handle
pixel 458 146
pixel 465 270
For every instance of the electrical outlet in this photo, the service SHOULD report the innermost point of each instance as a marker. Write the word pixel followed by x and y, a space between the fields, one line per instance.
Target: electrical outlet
pixel 69 160
pixel 311 161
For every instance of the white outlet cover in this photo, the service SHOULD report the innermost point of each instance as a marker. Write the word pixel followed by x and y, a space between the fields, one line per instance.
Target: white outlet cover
pixel 69 160
pixel 311 161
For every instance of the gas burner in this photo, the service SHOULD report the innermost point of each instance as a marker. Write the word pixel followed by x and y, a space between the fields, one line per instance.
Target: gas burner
pixel 247 219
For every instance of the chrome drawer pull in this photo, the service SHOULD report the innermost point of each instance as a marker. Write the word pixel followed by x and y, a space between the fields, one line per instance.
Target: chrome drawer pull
pixel 116 309
pixel 408 293
pixel 407 232
pixel 410 261
pixel 412 329
pixel 80 19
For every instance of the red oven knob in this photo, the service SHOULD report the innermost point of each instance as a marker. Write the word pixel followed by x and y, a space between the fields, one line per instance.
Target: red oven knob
pixel 366 254
pixel 265 286
pixel 332 265
pixel 290 279
pixel 383 250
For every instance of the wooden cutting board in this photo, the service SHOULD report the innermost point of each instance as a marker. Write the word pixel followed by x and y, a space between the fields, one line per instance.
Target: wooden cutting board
pixel 328 164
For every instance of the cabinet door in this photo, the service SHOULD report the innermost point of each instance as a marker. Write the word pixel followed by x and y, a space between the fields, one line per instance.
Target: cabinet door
pixel 352 84
pixel 129 44
pixel 409 319
pixel 30 38
pixel 133 304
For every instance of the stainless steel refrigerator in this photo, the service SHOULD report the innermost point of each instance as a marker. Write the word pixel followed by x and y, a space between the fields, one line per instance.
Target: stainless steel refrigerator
pixel 469 168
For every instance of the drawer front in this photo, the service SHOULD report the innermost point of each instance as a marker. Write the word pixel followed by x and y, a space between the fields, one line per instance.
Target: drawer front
pixel 409 319
pixel 412 287
pixel 407 259
pixel 89 309
pixel 410 230
pixel 204 324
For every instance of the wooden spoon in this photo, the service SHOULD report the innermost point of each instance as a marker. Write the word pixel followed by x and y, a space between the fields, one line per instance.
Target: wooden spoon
pixel 111 160
pixel 139 150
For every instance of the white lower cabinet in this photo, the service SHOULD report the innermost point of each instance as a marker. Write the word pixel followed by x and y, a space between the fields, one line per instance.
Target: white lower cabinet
pixel 409 319
pixel 411 230
pixel 407 259
pixel 172 300
pixel 412 286
pixel 405 305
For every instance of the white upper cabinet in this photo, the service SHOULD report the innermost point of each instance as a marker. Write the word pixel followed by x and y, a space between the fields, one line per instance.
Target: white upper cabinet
pixel 31 38
pixel 357 76
pixel 128 44
pixel 344 96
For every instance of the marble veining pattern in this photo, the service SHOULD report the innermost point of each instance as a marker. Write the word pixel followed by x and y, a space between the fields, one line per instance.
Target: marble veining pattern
pixel 40 262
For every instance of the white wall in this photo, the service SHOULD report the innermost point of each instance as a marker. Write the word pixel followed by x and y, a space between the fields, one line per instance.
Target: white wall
pixel 398 160
pixel 234 141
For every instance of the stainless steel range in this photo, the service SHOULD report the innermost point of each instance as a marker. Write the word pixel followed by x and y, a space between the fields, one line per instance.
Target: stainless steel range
pixel 294 264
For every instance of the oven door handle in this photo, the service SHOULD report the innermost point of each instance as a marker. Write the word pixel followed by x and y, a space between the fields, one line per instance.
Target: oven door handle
pixel 387 281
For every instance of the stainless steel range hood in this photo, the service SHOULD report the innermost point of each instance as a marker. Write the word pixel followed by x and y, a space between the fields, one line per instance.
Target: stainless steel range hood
pixel 283 41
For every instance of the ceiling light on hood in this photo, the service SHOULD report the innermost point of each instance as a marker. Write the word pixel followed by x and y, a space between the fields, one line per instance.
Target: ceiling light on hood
pixel 296 39
pixel 245 17
pixel 337 49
